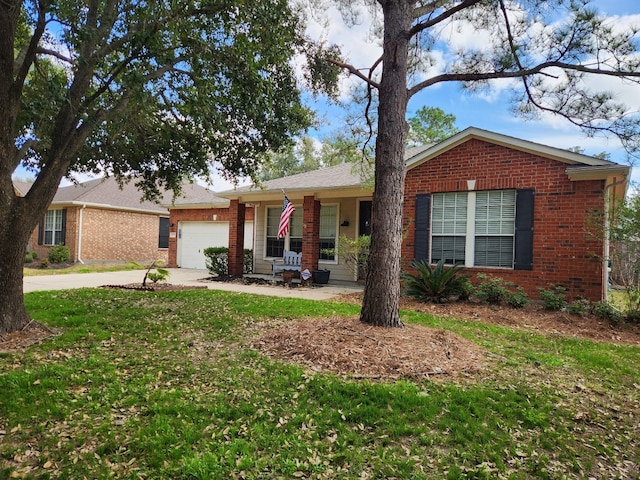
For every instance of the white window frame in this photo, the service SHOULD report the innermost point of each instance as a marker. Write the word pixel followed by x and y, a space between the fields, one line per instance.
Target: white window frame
pixel 502 227
pixel 333 261
pixel 287 238
pixel 53 223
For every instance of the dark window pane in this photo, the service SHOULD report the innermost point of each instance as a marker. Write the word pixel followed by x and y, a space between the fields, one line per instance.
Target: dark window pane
pixel 163 234
pixel 327 244
pixel 275 247
pixel 451 249
pixel 295 245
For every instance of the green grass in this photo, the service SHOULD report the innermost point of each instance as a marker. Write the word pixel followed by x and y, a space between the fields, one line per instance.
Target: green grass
pixel 29 271
pixel 164 385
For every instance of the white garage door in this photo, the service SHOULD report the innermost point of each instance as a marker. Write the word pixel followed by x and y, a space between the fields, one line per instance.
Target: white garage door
pixel 194 237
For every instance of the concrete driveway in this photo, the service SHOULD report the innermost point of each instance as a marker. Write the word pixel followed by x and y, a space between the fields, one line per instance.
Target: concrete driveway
pixel 183 276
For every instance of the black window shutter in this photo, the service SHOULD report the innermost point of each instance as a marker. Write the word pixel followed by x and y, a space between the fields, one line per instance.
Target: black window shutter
pixel 41 231
pixel 64 226
pixel 163 233
pixel 524 230
pixel 423 214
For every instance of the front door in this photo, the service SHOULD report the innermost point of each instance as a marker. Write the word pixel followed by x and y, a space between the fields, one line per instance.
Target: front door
pixel 364 224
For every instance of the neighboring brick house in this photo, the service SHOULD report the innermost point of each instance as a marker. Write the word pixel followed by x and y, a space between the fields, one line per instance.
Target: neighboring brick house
pixel 493 203
pixel 99 222
pixel 200 219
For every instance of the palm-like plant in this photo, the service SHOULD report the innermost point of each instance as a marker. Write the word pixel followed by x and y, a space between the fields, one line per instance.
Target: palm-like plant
pixel 435 283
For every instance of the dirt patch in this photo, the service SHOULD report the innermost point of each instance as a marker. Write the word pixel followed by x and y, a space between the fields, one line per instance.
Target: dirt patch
pixel 21 340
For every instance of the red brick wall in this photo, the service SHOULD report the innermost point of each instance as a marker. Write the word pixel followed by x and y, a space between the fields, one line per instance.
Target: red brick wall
pixel 564 253
pixel 109 235
pixel 116 235
pixel 311 234
pixel 70 237
pixel 195 215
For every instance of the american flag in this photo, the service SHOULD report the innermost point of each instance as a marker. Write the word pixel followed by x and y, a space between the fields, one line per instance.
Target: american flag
pixel 287 211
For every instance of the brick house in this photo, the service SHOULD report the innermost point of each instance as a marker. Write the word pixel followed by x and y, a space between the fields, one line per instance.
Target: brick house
pixel 99 222
pixel 198 220
pixel 493 203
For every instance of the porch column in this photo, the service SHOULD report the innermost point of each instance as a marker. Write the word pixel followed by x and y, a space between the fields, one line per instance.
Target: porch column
pixel 311 233
pixel 236 238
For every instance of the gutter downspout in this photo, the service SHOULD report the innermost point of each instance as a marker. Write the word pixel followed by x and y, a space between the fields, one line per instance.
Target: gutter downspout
pixel 607 232
pixel 84 205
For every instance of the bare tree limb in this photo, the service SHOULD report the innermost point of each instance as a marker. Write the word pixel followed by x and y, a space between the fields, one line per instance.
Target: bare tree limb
pixel 354 71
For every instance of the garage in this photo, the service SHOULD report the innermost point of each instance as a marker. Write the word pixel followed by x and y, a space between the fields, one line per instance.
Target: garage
pixel 194 237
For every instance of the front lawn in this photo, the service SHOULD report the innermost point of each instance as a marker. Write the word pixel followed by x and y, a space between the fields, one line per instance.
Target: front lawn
pixel 165 385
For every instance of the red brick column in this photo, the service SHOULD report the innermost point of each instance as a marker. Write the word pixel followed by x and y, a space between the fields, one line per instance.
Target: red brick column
pixel 311 233
pixel 236 238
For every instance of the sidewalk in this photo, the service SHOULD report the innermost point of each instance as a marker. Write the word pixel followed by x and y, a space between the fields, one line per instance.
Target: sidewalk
pixel 184 276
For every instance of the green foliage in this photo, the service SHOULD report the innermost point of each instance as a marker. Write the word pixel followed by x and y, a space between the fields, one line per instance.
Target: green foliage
pixel 59 254
pixel 434 283
pixel 431 125
pixel 354 252
pixel 175 373
pixel 159 275
pixel 608 312
pixel 579 307
pixel 495 291
pixel 518 298
pixel 29 257
pixel 553 298
pixel 217 260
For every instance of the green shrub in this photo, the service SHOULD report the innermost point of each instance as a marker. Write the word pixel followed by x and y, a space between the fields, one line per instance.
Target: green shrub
pixel 29 257
pixel 248 260
pixel 436 284
pixel 160 275
pixel 580 307
pixel 491 290
pixel 217 260
pixel 632 316
pixel 553 298
pixel 517 299
pixel 607 311
pixel 59 254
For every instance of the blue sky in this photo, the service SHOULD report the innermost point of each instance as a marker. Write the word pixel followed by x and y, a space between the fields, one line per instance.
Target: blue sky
pixel 491 110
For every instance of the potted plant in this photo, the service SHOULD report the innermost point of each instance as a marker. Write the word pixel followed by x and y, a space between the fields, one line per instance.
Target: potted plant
pixel 321 276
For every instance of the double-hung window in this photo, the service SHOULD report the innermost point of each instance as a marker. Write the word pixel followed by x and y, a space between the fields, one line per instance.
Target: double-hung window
pixel 495 214
pixel 449 227
pixel 474 228
pixel 328 229
pixel 275 246
pixel 53 232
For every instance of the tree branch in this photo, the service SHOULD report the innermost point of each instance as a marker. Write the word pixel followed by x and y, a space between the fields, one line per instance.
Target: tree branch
pixel 421 26
pixel 354 71
pixel 537 70
pixel 53 53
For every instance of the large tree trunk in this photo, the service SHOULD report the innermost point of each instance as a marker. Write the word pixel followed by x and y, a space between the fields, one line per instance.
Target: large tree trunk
pixel 381 303
pixel 13 315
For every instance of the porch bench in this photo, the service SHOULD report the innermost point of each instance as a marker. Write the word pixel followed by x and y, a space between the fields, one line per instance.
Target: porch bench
pixel 289 261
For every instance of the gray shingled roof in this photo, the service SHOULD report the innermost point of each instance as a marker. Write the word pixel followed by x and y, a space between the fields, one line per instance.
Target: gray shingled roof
pixel 344 175
pixel 107 193
pixel 22 187
pixel 339 176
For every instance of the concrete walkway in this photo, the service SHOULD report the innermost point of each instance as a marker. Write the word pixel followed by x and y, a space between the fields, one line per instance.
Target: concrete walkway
pixel 184 276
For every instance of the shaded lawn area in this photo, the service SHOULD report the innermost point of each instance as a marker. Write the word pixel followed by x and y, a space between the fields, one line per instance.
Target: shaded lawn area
pixel 166 385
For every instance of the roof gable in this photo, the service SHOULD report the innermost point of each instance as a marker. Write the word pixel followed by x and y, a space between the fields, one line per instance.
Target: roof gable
pixel 558 154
